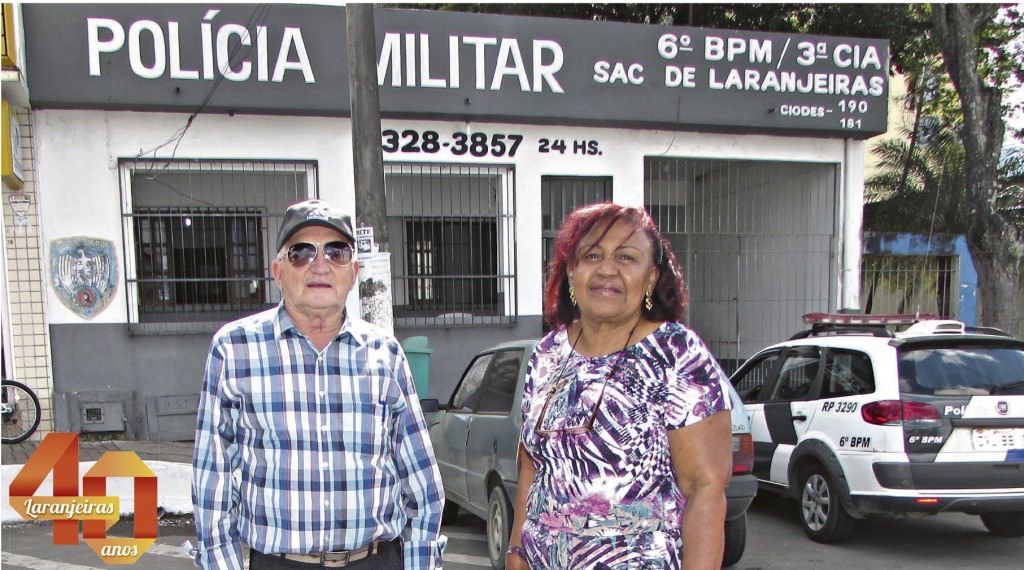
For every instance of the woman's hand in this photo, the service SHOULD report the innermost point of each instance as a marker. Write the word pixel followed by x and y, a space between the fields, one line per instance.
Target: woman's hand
pixel 527 472
pixel 515 562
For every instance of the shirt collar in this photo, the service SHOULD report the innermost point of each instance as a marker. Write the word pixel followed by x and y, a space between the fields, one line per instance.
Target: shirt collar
pixel 353 327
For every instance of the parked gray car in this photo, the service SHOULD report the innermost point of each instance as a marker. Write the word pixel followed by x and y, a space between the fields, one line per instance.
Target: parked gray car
pixel 476 436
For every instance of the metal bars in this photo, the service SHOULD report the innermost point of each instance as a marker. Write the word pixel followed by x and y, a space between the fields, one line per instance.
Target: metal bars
pixel 202 258
pixel 452 235
pixel 910 284
pixel 200 234
pixel 560 195
pixel 757 242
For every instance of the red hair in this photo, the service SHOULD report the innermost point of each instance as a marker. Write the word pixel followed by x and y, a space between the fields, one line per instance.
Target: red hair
pixel 669 296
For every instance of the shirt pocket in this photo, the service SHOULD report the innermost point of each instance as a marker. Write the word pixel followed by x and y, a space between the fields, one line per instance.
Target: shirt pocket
pixel 273 409
pixel 364 428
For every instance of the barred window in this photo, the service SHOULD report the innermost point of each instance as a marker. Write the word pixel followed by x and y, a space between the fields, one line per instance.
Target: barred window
pixel 451 230
pixel 203 235
pixel 199 257
pixel 910 284
pixel 439 251
pixel 560 195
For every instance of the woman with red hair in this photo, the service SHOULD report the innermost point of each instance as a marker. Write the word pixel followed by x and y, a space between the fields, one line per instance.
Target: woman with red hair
pixel 626 451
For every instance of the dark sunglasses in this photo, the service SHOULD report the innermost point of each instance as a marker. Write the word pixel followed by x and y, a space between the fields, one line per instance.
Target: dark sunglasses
pixel 303 253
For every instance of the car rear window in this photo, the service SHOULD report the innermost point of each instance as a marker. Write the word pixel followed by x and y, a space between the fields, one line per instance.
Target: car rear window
pixel 961 370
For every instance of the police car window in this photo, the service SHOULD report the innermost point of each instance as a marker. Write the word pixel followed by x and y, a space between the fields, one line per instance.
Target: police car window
pixel 962 370
pixel 468 395
pixel 499 384
pixel 748 385
pixel 847 373
pixel 796 376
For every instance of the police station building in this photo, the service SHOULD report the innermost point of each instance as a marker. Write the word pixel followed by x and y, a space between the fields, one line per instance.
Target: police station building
pixel 168 140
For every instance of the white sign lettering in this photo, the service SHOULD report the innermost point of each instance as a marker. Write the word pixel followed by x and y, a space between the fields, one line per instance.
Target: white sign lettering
pixel 507 62
pixel 106 35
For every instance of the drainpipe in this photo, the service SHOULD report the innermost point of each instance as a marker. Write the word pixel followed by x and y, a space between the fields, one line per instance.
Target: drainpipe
pixel 850 223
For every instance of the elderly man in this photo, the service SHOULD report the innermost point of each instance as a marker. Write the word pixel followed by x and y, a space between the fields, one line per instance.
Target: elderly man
pixel 310 445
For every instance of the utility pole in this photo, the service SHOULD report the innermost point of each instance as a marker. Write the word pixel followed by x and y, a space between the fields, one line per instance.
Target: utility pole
pixel 375 300
pixel 367 160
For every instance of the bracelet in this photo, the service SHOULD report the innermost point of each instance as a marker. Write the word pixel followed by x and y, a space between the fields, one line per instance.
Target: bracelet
pixel 517 550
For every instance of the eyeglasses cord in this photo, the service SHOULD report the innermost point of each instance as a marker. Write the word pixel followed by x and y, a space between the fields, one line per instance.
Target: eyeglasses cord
pixel 615 367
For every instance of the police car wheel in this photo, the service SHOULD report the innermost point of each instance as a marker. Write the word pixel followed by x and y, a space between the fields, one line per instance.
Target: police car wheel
pixel 1004 524
pixel 821 513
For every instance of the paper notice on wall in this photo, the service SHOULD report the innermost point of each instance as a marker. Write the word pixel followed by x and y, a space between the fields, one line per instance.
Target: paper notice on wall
pixel 19 205
pixel 375 290
pixel 364 241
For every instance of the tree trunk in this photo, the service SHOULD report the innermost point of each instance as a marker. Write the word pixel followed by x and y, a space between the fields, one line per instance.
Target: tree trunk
pixel 1000 294
pixel 996 244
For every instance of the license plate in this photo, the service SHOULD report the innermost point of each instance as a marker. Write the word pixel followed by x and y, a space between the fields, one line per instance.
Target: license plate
pixel 990 439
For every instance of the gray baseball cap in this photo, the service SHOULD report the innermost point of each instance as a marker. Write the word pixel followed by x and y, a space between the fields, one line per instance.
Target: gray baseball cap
pixel 313 213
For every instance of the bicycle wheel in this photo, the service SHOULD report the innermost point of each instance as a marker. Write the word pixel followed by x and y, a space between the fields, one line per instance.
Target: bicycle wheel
pixel 20 412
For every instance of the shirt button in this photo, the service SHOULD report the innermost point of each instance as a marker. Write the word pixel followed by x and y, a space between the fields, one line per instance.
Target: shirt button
pixel 324 465
pixel 323 428
pixel 327 503
pixel 323 394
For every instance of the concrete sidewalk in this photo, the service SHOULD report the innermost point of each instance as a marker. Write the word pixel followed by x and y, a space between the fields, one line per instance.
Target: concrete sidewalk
pixel 172 451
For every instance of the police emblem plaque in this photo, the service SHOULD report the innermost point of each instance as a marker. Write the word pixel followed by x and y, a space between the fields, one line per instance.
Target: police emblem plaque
pixel 84 274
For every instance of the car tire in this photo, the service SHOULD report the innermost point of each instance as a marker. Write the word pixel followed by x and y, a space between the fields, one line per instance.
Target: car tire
pixel 735 540
pixel 499 526
pixel 1010 525
pixel 821 512
pixel 450 512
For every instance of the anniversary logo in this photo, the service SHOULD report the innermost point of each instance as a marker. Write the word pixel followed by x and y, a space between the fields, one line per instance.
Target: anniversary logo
pixel 58 453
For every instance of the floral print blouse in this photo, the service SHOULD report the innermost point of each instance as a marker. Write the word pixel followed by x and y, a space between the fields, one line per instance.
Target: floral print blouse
pixel 605 494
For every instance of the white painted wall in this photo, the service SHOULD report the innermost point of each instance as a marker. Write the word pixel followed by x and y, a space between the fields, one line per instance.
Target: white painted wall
pixel 622 158
pixel 78 172
pixel 80 194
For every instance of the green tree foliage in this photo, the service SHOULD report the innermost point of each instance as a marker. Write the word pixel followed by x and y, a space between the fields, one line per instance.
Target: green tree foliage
pixel 923 189
pixel 919 186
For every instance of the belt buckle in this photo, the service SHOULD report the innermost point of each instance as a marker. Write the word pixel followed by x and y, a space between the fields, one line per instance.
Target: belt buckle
pixel 337 559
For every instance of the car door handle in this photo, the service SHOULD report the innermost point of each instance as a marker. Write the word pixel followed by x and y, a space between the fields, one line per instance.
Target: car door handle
pixel 799 418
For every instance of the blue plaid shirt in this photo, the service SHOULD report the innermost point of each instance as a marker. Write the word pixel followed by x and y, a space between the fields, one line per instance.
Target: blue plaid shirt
pixel 298 451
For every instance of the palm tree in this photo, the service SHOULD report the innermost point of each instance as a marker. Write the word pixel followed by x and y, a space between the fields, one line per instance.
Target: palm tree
pixel 920 188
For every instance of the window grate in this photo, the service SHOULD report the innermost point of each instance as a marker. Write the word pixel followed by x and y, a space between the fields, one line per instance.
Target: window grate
pixel 903 284
pixel 207 259
pixel 202 235
pixel 93 415
pixel 451 231
pixel 560 195
pixel 757 241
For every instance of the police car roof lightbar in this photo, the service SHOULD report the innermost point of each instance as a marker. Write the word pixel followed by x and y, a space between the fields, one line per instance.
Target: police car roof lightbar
pixel 876 320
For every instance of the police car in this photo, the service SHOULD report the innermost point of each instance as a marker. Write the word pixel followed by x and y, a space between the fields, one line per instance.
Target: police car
pixel 854 420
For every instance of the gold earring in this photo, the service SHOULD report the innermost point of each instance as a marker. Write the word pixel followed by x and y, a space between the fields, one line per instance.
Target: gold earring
pixel 649 302
pixel 572 295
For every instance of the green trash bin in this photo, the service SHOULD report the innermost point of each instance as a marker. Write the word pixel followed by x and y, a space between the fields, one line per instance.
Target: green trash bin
pixel 418 353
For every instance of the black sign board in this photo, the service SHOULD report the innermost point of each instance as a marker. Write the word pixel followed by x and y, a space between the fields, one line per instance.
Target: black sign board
pixel 291 59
